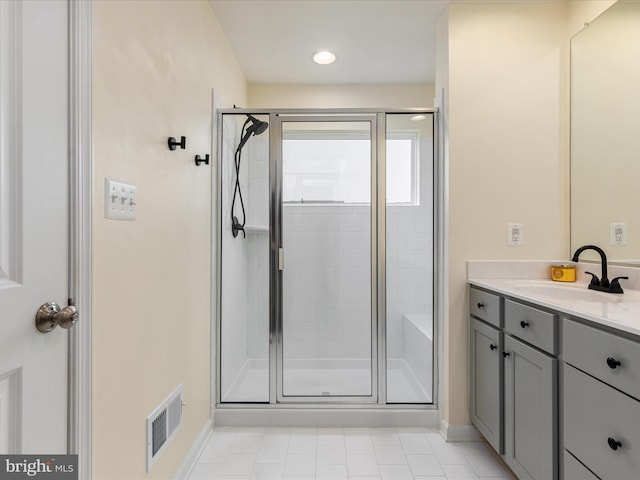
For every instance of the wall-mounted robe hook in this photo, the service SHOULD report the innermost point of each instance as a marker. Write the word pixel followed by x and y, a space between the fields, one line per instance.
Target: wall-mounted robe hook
pixel 173 143
pixel 204 160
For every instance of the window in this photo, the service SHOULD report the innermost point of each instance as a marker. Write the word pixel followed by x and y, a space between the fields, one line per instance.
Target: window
pixel 335 167
pixel 326 167
pixel 403 168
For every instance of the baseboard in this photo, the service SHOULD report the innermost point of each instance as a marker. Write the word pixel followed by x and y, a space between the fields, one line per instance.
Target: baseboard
pixel 330 417
pixel 191 459
pixel 459 433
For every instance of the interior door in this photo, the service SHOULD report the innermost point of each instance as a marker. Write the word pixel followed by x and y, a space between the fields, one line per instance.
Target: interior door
pixel 327 342
pixel 33 224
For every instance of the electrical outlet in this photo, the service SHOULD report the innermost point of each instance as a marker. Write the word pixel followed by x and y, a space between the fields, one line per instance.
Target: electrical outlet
pixel 515 234
pixel 119 200
pixel 618 234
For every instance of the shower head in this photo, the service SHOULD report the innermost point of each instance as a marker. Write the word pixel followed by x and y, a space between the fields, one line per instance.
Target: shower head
pixel 256 127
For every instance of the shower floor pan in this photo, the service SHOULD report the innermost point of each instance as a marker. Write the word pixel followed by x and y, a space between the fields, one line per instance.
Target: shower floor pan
pixel 325 378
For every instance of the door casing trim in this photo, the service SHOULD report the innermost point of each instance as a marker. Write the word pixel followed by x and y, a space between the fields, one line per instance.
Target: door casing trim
pixel 80 25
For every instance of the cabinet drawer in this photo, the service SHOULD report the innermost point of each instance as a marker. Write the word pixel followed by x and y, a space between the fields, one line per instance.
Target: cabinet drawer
pixel 531 325
pixel 598 353
pixel 574 470
pixel 485 306
pixel 595 417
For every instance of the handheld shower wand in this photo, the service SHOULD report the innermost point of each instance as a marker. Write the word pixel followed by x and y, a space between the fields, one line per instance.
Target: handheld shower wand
pixel 252 126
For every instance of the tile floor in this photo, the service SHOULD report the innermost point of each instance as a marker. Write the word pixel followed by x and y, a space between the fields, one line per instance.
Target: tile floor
pixel 343 453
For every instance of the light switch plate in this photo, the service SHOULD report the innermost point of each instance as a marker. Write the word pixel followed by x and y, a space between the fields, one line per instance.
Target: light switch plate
pixel 119 200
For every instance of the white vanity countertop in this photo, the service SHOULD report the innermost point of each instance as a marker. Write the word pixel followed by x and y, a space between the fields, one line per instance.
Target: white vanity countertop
pixel 620 311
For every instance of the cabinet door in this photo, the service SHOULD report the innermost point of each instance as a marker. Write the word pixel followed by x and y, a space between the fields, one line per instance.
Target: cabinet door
pixel 486 381
pixel 530 391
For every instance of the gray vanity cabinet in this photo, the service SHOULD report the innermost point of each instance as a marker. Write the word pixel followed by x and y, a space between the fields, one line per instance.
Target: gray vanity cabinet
pixel 530 379
pixel 524 382
pixel 530 391
pixel 513 382
pixel 485 365
pixel 486 384
pixel 601 401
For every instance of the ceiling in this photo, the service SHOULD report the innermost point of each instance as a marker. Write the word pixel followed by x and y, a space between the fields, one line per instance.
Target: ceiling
pixel 375 41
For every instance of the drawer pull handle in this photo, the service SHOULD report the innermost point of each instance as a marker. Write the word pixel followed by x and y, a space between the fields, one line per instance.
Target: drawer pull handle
pixel 613 443
pixel 613 363
pixel 492 346
pixel 505 354
pixel 524 324
pixel 480 305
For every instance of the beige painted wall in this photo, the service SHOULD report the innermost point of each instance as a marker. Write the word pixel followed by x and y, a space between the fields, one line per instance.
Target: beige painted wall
pixel 155 63
pixel 581 12
pixel 508 151
pixel 506 148
pixel 340 96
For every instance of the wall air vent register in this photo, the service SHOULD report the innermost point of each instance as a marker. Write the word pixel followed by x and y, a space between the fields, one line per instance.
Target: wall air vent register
pixel 162 425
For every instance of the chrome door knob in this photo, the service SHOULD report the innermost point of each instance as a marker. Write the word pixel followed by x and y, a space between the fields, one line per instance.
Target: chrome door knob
pixel 50 315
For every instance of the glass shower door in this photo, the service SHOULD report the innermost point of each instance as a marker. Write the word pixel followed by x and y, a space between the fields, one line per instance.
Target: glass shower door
pixel 327 342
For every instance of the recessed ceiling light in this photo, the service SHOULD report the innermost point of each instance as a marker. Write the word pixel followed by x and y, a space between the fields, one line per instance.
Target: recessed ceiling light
pixel 417 118
pixel 324 57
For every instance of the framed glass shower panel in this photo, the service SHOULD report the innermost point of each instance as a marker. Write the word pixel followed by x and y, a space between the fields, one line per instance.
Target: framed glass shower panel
pixel 409 165
pixel 244 259
pixel 327 347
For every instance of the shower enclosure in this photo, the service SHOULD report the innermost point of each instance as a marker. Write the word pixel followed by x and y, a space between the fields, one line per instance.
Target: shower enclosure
pixel 325 257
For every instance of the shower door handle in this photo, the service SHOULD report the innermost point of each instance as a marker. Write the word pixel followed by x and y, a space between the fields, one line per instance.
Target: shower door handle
pixel 280 259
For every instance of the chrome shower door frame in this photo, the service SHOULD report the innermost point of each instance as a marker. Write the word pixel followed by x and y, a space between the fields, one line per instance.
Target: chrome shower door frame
pixel 276 201
pixel 378 256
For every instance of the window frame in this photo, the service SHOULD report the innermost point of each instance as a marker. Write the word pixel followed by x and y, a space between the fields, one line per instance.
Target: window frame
pixel 412 135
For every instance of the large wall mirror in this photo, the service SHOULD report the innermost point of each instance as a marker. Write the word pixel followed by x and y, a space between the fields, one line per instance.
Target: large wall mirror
pixel 605 133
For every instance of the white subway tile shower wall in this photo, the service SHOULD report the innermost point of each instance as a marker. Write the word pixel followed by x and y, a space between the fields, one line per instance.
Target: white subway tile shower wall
pixel 327 278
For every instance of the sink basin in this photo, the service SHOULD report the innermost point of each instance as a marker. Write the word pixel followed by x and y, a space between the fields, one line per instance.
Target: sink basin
pixel 566 292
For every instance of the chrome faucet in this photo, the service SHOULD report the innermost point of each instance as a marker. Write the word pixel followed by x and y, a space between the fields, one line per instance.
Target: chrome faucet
pixel 602 284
